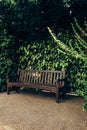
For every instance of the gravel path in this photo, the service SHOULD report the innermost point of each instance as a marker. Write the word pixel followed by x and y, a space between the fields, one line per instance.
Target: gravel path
pixel 39 111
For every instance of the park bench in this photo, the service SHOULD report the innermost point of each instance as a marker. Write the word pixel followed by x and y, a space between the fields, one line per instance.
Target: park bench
pixel 47 80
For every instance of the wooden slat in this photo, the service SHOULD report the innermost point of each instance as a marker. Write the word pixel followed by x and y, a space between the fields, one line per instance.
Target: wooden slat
pixel 41 71
pixel 42 77
pixel 24 76
pixel 20 76
pixel 29 77
pixel 54 78
pixel 45 78
pixel 39 80
pixel 26 79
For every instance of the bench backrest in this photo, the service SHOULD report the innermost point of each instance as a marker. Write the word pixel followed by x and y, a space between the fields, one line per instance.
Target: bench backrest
pixel 46 77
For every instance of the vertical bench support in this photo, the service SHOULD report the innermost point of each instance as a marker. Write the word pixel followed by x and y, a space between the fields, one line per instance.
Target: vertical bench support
pixel 57 94
pixel 57 91
pixel 8 90
pixel 7 85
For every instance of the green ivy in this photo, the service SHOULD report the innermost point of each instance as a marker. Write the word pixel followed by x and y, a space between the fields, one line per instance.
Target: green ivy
pixel 75 49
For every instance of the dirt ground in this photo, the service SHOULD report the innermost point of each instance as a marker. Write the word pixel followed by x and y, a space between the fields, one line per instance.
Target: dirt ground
pixel 39 111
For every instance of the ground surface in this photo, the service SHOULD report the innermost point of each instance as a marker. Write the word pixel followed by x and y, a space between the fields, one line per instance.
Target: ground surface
pixel 39 111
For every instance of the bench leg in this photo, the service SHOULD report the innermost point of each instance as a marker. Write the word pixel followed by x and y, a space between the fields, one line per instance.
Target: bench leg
pixel 8 92
pixel 17 89
pixel 57 95
pixel 63 90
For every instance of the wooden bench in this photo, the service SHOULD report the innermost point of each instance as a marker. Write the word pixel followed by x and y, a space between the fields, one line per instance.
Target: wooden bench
pixel 39 79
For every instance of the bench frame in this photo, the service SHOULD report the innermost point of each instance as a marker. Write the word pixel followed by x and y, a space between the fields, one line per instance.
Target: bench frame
pixel 47 80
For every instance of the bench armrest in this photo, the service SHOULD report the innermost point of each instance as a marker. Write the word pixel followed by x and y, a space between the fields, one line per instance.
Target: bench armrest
pixel 58 82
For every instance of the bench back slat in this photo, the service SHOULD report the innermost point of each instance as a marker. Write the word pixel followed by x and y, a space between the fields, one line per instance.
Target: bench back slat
pixel 45 77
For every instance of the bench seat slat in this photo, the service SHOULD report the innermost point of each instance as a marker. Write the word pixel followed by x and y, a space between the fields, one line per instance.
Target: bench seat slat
pixel 40 86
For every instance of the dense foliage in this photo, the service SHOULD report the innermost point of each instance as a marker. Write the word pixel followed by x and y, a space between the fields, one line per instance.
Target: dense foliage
pixel 76 53
pixel 8 57
pixel 28 19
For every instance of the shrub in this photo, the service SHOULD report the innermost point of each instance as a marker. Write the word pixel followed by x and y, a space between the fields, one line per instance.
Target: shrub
pixel 8 64
pixel 76 53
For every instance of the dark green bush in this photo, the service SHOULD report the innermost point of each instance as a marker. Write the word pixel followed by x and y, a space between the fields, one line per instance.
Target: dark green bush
pixel 8 63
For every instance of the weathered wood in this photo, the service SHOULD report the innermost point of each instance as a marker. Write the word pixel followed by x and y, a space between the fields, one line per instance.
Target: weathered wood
pixel 39 79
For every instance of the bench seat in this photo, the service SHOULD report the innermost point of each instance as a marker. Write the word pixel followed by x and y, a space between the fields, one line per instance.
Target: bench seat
pixel 39 79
